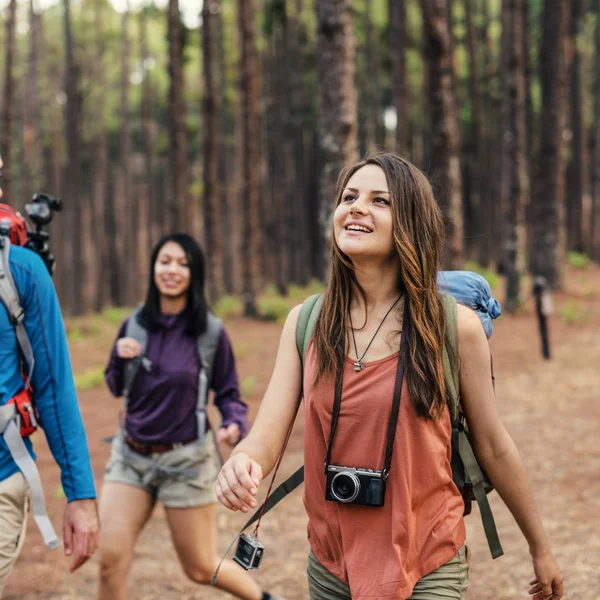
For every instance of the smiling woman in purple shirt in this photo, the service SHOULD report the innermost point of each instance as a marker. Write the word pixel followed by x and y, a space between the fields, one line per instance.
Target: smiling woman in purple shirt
pixel 160 454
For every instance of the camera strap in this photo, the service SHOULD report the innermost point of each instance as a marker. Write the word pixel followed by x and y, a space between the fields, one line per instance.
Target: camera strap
pixel 337 401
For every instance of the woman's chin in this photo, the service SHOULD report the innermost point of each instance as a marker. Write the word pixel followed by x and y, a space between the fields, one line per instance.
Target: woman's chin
pixel 172 293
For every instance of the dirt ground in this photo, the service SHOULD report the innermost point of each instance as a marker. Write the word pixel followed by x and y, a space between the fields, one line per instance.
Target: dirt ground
pixel 551 408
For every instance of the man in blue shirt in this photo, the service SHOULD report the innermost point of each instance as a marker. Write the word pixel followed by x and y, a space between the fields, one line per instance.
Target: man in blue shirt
pixel 56 401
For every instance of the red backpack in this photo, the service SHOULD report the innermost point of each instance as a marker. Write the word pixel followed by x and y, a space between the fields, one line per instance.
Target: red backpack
pixel 18 224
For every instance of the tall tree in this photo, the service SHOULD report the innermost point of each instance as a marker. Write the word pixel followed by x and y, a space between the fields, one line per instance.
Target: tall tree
pixel 211 199
pixel 477 140
pixel 578 210
pixel 490 194
pixel 250 188
pixel 548 211
pixel 530 118
pixel 31 168
pixel 226 146
pixel 337 99
pixel 74 200
pixel 444 163
pixel 397 24
pixel 514 163
pixel 595 216
pixel 8 101
pixel 152 211
pixel 178 210
pixel 102 242
pixel 127 203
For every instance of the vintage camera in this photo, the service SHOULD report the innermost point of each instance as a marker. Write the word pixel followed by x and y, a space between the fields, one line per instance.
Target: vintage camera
pixel 350 485
pixel 249 552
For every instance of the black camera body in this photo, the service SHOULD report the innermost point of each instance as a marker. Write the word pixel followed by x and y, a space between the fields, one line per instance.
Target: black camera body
pixel 41 210
pixel 249 552
pixel 351 485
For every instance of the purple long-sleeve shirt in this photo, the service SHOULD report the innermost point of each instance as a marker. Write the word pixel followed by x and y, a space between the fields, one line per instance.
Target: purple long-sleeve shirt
pixel 162 402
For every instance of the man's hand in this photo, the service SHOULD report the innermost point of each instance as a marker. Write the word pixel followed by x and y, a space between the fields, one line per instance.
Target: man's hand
pixel 80 531
pixel 229 434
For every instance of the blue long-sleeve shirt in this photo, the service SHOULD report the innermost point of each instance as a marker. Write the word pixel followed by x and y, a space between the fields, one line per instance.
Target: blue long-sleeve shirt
pixel 52 379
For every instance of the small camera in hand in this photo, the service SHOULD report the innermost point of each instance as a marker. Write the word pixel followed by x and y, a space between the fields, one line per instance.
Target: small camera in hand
pixel 350 485
pixel 249 552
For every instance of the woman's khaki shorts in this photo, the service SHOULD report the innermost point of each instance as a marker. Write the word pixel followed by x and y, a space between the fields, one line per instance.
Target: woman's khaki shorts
pixel 449 582
pixel 181 478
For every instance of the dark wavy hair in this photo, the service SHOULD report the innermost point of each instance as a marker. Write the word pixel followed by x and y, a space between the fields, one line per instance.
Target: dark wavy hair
pixel 418 239
pixel 197 307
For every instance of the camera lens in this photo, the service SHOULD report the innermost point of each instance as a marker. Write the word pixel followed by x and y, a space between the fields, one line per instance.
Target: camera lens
pixel 345 487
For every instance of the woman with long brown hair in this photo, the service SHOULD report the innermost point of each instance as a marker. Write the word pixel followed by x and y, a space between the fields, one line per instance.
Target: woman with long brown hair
pixel 385 516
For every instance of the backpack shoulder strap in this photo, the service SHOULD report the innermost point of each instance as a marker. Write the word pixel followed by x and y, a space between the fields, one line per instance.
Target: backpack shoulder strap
pixel 9 296
pixel 134 330
pixel 207 345
pixel 305 327
pixel 450 356
pixel 473 473
pixel 209 341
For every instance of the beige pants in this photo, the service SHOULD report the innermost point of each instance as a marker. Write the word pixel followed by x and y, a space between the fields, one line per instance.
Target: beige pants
pixel 13 523
pixel 449 582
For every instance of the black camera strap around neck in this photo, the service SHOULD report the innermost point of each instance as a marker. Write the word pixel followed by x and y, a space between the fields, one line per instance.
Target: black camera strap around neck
pixel 337 401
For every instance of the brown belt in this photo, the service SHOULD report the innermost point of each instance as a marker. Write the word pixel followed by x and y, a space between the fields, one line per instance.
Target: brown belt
pixel 150 448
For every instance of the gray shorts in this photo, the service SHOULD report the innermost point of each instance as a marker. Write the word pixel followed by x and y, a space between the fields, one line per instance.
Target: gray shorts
pixel 449 582
pixel 181 478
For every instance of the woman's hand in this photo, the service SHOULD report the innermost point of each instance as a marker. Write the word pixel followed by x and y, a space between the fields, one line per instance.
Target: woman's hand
pixel 238 482
pixel 230 434
pixel 548 581
pixel 128 348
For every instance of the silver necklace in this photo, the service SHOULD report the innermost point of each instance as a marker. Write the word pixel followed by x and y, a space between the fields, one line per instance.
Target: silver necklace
pixel 358 363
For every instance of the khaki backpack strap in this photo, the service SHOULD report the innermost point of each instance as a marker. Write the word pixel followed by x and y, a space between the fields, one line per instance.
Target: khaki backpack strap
pixel 207 345
pixel 473 474
pixel 305 327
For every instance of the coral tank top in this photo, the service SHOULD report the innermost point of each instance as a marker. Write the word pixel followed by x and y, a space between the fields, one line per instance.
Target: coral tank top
pixel 379 552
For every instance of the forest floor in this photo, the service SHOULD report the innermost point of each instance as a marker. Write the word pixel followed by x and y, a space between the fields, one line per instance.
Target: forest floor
pixel 551 408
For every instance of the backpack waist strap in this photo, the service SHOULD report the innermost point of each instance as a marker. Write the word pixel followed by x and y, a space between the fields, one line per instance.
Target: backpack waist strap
pixel 10 429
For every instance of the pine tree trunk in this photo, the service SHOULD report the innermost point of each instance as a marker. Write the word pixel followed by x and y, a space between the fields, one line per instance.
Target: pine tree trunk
pixel 578 208
pixel 444 164
pixel 128 204
pixel 152 213
pixel 595 213
pixel 397 21
pixel 225 151
pixel 31 167
pixel 337 95
pixel 211 198
pixel 100 173
pixel 490 199
pixel 8 103
pixel 178 209
pixel 249 198
pixel 302 109
pixel 548 234
pixel 514 175
pixel 477 147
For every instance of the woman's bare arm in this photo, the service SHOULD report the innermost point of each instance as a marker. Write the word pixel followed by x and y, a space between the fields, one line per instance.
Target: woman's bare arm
pixel 255 456
pixel 496 450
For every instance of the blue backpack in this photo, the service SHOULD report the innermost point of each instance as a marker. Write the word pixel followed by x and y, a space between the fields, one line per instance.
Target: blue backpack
pixel 469 289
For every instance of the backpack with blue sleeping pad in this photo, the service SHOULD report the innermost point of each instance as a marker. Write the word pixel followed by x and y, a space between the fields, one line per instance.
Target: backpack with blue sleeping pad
pixel 472 290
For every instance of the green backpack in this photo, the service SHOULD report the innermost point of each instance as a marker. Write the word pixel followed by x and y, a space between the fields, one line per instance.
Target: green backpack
pixel 468 476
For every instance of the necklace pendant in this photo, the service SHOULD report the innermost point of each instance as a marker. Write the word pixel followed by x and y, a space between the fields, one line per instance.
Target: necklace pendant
pixel 358 366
